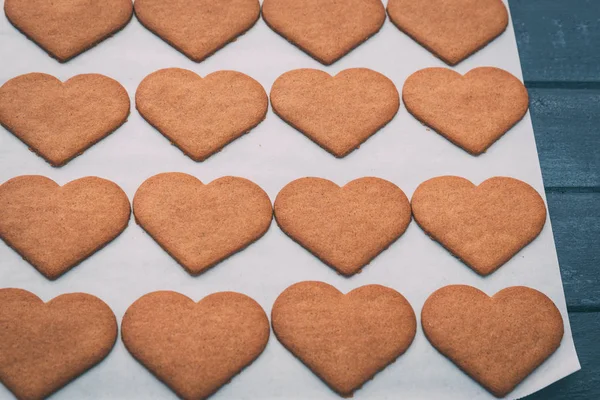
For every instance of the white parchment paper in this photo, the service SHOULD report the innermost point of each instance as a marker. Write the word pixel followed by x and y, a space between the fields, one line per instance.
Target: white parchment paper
pixel 273 154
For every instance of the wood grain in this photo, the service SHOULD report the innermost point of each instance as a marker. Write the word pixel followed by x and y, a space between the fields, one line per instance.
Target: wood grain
pixel 566 125
pixel 576 225
pixel 558 40
pixel 584 384
pixel 558 45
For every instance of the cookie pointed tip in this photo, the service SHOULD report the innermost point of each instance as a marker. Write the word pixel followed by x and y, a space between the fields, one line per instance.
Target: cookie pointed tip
pixel 196 59
pixel 51 276
pixel 341 154
pixel 500 394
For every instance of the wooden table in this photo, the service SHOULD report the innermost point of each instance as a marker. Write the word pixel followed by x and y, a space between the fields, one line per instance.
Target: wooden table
pixel 559 45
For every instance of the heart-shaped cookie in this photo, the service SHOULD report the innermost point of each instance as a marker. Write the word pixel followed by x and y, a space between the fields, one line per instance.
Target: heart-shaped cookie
pixel 195 348
pixel 472 111
pixel 200 225
pixel 498 340
pixel 485 225
pixel 201 115
pixel 346 227
pixel 343 339
pixel 338 113
pixel 325 29
pixel 54 227
pixel 59 120
pixel 197 28
pixel 450 29
pixel 66 28
pixel 43 347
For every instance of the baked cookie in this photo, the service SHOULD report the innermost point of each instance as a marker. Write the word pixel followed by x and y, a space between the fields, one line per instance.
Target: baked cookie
pixel 498 340
pixel 54 228
pixel 345 227
pixel 57 120
pixel 201 115
pixel 325 29
pixel 44 346
pixel 485 225
pixel 343 339
pixel 450 29
pixel 197 28
pixel 195 348
pixel 338 113
pixel 472 111
pixel 67 28
pixel 200 225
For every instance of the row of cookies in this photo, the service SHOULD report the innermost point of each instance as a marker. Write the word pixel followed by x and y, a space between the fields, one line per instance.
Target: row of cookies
pixel 325 29
pixel 55 228
pixel 195 348
pixel 202 115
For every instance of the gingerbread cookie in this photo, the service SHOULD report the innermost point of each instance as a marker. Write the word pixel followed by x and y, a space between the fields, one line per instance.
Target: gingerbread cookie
pixel 346 227
pixel 472 111
pixel 59 120
pixel 195 348
pixel 498 340
pixel 66 28
pixel 343 339
pixel 201 115
pixel 338 113
pixel 44 346
pixel 450 29
pixel 325 29
pixel 200 225
pixel 54 228
pixel 197 28
pixel 485 225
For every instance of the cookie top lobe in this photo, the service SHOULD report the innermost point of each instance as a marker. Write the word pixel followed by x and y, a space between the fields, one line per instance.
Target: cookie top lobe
pixel 497 340
pixel 44 346
pixel 195 348
pixel 345 339
pixel 56 227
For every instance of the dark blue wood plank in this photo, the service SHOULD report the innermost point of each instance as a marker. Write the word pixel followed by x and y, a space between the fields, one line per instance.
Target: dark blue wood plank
pixel 558 39
pixel 576 225
pixel 584 384
pixel 567 132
